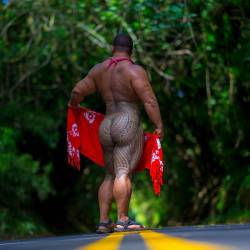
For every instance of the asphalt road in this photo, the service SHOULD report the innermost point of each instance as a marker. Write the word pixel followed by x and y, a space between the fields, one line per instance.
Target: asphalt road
pixel 219 237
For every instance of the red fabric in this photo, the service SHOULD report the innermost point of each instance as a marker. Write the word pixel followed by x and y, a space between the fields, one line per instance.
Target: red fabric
pixel 82 137
pixel 115 60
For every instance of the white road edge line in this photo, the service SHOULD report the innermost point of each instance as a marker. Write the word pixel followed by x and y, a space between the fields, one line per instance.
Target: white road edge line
pixel 36 241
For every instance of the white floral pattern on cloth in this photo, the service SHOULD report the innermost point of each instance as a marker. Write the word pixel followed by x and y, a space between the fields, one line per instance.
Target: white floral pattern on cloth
pixel 158 143
pixel 156 156
pixel 72 151
pixel 90 116
pixel 74 130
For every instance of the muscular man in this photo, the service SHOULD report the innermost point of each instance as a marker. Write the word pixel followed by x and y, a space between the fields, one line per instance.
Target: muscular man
pixel 122 86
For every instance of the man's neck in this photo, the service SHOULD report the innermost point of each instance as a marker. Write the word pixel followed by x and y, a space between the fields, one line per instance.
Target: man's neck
pixel 121 54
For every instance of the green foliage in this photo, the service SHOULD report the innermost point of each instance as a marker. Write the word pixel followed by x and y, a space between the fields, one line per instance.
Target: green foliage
pixel 197 56
pixel 21 181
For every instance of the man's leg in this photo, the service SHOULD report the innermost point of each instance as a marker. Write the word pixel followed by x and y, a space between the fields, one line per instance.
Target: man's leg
pixel 105 196
pixel 126 158
pixel 122 193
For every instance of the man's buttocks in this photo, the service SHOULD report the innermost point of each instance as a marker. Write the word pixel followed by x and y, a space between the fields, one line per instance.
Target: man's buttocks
pixel 122 121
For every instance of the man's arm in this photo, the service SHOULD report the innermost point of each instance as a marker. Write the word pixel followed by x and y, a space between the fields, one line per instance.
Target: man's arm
pixel 144 91
pixel 83 88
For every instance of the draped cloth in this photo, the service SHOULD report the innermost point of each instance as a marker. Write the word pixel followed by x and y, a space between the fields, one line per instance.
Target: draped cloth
pixel 82 138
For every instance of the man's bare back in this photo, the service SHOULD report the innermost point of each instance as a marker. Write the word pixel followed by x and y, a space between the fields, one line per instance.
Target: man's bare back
pixel 122 82
pixel 114 81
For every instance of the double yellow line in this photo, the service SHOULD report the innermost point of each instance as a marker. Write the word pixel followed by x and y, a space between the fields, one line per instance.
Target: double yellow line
pixel 153 241
pixel 111 242
pixel 159 241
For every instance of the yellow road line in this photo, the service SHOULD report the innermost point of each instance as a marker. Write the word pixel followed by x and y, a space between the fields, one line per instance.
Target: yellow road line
pixel 159 241
pixel 111 242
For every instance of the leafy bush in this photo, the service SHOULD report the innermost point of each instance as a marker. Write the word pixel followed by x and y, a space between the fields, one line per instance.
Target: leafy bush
pixel 21 181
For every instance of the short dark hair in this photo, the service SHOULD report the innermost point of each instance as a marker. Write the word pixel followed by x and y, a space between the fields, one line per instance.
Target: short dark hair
pixel 123 42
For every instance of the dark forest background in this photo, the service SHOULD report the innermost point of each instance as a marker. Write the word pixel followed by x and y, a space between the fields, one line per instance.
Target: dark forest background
pixel 197 55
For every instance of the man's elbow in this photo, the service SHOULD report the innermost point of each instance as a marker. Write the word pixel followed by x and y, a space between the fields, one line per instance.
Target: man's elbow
pixel 150 103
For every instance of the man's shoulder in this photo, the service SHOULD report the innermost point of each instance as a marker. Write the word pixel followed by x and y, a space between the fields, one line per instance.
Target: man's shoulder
pixel 101 65
pixel 96 68
pixel 137 69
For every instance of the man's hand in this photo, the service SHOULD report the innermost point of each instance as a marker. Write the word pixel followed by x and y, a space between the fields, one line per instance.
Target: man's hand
pixel 73 106
pixel 160 132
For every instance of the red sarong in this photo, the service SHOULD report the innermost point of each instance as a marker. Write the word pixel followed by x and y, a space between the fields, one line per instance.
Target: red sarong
pixel 82 138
